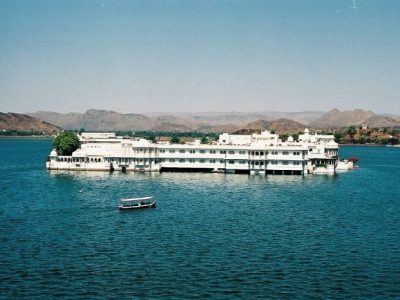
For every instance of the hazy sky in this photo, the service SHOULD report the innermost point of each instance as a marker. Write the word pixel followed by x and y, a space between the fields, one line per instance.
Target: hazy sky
pixel 200 55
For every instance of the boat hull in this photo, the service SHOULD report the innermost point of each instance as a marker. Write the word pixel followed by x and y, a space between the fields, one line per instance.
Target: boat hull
pixel 152 205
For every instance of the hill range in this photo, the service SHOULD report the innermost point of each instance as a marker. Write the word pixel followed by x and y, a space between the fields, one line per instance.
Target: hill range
pixel 240 122
pixel 102 120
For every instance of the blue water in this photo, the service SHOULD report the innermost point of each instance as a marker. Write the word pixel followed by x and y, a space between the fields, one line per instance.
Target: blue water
pixel 211 235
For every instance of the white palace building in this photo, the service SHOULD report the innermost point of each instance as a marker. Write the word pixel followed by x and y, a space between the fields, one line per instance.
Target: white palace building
pixel 262 153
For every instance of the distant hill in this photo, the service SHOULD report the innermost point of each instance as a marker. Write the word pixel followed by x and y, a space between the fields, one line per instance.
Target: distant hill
pixel 103 120
pixel 212 119
pixel 336 118
pixel 219 128
pixel 172 127
pixel 94 119
pixel 21 122
pixel 98 120
pixel 246 131
pixel 172 120
pixel 280 126
pixel 381 122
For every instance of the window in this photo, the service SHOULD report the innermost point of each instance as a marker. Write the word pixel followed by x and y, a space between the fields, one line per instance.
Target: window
pixel 242 162
pixel 202 151
pixel 262 153
pixel 274 152
pixel 181 151
pixel 192 151
pixel 231 152
pixel 242 152
pixel 285 153
pixel 202 161
pixel 171 151
pixel 296 163
pixel 181 160
pixel 212 161
pixel 171 160
pixel 222 152
pixel 212 152
pixel 191 160
pixel 231 162
pixel 221 161
pixel 274 162
pixel 285 163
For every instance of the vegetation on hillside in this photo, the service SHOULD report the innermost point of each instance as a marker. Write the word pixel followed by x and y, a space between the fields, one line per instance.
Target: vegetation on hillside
pixel 22 133
pixel 354 135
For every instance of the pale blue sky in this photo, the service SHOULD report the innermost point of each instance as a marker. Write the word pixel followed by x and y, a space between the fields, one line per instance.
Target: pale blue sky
pixel 143 56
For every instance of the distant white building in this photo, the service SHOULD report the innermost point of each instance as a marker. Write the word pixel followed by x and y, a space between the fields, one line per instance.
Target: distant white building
pixel 262 153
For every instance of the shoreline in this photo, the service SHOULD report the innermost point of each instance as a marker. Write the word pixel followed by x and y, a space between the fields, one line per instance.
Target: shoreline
pixel 49 138
pixel 22 137
pixel 367 145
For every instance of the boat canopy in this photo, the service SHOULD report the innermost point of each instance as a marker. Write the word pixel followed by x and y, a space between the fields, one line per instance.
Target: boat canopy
pixel 136 199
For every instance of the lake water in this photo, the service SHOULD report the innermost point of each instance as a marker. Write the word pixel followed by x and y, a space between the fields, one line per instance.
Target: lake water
pixel 211 235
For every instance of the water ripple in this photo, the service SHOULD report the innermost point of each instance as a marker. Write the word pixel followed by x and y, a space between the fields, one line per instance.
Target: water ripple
pixel 211 236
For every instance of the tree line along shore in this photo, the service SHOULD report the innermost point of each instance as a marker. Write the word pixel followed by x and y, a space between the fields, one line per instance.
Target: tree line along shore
pixel 348 135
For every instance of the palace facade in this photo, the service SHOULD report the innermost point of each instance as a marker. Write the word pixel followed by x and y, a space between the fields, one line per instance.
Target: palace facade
pixel 262 153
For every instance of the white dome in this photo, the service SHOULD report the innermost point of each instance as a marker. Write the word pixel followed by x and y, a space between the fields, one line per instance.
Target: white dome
pixel 306 130
pixel 290 139
pixel 53 152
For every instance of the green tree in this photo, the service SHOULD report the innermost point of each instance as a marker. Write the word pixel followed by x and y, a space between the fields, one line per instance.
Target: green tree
pixel 284 137
pixel 152 137
pixel 351 130
pixel 66 143
pixel 338 137
pixel 175 140
pixel 204 140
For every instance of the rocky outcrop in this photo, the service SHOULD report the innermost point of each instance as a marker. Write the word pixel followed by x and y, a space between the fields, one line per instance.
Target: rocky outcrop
pixel 98 120
pixel 280 126
pixel 381 122
pixel 21 122
pixel 336 118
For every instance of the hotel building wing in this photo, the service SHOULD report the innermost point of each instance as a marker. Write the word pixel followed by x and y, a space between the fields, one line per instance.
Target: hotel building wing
pixel 262 153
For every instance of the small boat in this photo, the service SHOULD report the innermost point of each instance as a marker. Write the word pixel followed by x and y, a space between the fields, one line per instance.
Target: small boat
pixel 137 203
